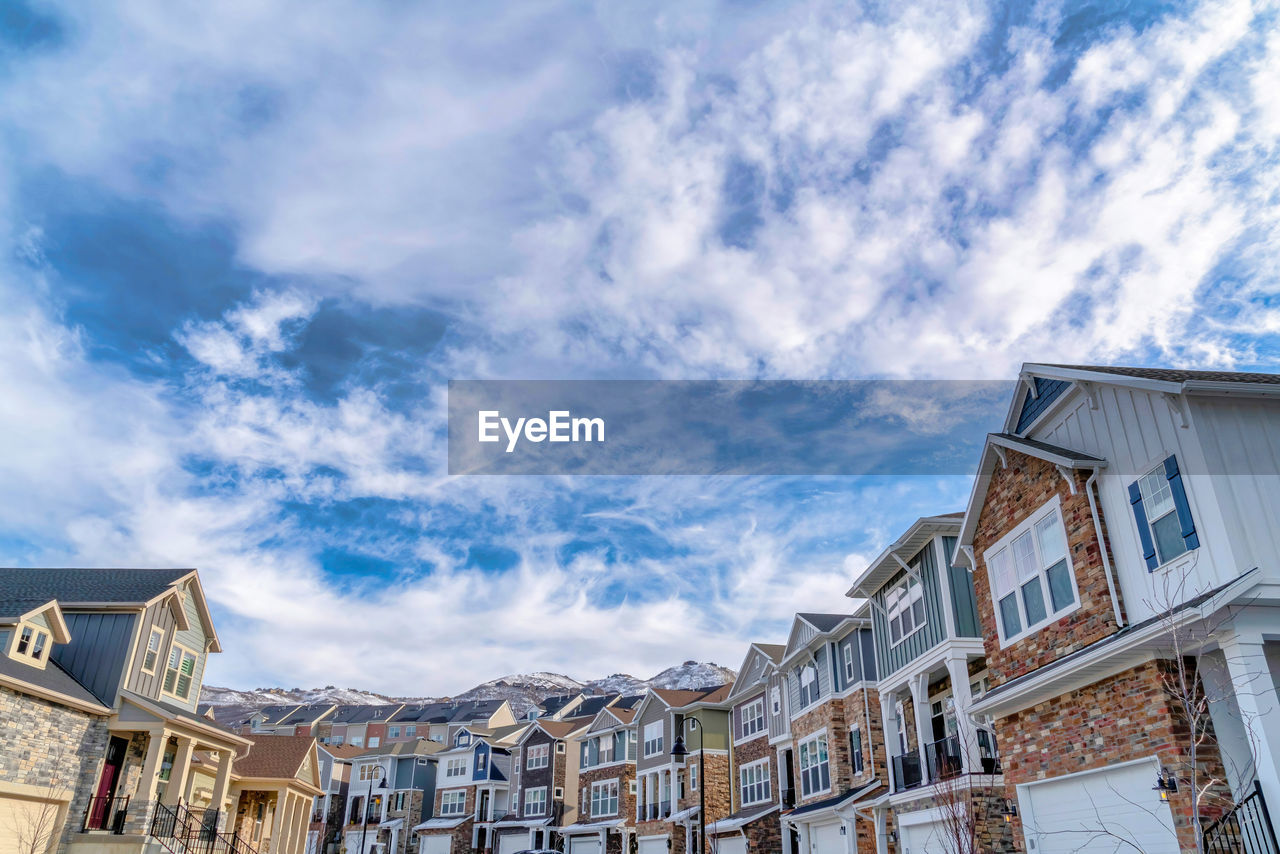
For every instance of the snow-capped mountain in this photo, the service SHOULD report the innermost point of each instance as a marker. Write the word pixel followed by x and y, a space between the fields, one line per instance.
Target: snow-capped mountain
pixel 523 690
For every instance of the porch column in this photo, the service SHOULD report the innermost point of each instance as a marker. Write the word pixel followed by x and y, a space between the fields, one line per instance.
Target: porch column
pixel 1255 692
pixel 920 705
pixel 278 823
pixel 966 730
pixel 220 784
pixel 179 772
pixel 890 737
pixel 882 831
pixel 301 820
pixel 151 766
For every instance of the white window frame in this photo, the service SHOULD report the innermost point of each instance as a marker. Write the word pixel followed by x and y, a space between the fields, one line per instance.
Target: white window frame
pixel 753 778
pixel 374 741
pixel 458 804
pixel 850 672
pixel 530 801
pixel 455 767
pixel 31 642
pixel 537 756
pixel 651 740
pixel 1157 473
pixel 183 652
pixel 603 794
pixel 900 600
pixel 392 732
pixel 807 696
pixel 753 722
pixel 411 731
pixel 996 550
pixel 856 759
pixel 156 654
pixel 366 772
pixel 775 700
pixel 820 736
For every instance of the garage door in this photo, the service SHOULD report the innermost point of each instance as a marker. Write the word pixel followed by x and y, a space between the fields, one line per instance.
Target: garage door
pixel 436 844
pixel 923 837
pixel 731 845
pixel 826 839
pixel 510 843
pixel 1113 804
pixel 584 844
pixel 29 825
pixel 656 845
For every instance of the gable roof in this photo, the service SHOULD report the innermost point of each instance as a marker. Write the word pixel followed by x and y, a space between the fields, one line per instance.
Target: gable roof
pixel 50 682
pixel 274 757
pixel 807 627
pixel 342 752
pixel 359 714
pixel 304 715
pixel 768 654
pixel 905 547
pixel 1173 375
pixel 592 705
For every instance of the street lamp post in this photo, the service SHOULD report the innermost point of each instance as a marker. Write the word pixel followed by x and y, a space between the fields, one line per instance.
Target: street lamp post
pixel 678 749
pixel 378 777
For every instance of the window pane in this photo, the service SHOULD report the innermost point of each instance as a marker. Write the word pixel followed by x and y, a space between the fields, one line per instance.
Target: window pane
pixel 1053 544
pixel 1002 571
pixel 1156 495
pixel 1033 599
pixel 895 630
pixel 1009 615
pixel 1168 535
pixel 1024 556
pixel 917 611
pixel 1060 585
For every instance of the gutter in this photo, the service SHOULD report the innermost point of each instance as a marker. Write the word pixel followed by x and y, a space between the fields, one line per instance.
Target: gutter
pixel 1102 546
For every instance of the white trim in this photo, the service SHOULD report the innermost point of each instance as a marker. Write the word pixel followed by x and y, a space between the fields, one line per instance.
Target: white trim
pixel 813 736
pixel 1023 793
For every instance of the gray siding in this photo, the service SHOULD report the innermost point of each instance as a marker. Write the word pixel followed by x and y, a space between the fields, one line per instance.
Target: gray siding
pixel 963 600
pixel 868 643
pixel 934 632
pixel 859 640
pixel 98 652
pixel 779 724
pixel 159 616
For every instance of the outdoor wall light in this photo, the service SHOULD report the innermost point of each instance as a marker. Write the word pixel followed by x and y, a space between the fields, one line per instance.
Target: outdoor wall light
pixel 1166 783
pixel 1010 810
pixel 892 836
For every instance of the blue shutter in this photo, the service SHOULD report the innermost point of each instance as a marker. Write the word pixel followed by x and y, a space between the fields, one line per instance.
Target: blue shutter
pixel 1144 530
pixel 1189 536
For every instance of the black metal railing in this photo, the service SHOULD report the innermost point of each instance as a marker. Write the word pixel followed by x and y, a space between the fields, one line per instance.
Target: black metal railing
pixel 788 798
pixel 1245 829
pixel 907 772
pixel 104 813
pixel 944 758
pixel 183 830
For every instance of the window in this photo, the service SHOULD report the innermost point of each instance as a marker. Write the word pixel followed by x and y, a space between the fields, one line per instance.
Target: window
pixel 809 685
pixel 454 802
pixel 535 801
pixel 537 756
pixel 855 749
pixel 693 777
pixel 179 672
pixel 775 700
pixel 753 781
pixel 462 739
pixel 151 657
pixel 1030 573
pixel 1160 508
pixel 560 747
pixel 604 798
pixel 357 808
pixel 815 769
pixel 397 801
pixel 850 671
pixel 753 718
pixel 392 732
pixel 653 738
pixel 905 606
pixel 900 716
pixel 481 762
pixel 31 642
pixel 631 743
pixel 337 740
pixel 374 741
pixel 411 732
pixel 357 741
pixel 369 771
pixel 455 768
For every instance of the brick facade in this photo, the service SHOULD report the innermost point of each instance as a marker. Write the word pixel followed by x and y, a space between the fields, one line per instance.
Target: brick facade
pixel 1013 494
pixel 752 751
pixel 56 750
pixel 624 773
pixel 461 835
pixel 973 818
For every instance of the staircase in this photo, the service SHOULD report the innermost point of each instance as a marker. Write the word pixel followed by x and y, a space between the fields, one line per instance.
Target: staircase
pixel 181 830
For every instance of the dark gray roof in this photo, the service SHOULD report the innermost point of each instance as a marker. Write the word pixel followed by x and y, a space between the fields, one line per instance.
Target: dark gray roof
pixel 1045 447
pixel 834 800
pixel 306 714
pixel 592 705
pixel 178 711
pixel 78 586
pixel 629 702
pixel 362 714
pixel 1177 376
pixel 551 705
pixel 824 622
pixel 51 678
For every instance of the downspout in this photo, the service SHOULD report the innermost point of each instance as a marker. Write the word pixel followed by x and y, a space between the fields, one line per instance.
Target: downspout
pixel 1102 546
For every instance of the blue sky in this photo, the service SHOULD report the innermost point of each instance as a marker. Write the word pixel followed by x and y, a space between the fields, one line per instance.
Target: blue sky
pixel 245 245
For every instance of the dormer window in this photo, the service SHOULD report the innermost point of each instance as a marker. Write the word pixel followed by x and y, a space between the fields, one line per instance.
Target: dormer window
pixel 32 642
pixel 463 739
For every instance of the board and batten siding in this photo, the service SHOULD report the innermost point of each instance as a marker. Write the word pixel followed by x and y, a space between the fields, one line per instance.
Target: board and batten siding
pixel 779 724
pixel 98 651
pixel 654 710
pixel 160 615
pixel 964 601
pixel 890 658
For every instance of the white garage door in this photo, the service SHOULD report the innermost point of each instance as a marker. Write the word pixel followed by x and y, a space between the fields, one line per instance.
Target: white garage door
pixel 29 825
pixel 584 844
pixel 826 839
pixel 731 845
pixel 1112 805
pixel 437 844
pixel 656 845
pixel 925 837
pixel 510 843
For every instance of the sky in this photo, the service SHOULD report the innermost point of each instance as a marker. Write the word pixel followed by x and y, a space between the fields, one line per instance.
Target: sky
pixel 244 246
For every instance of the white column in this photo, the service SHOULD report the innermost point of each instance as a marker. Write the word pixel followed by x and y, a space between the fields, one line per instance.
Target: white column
pixel 278 822
pixel 890 733
pixel 220 783
pixel 958 668
pixel 920 704
pixel 178 773
pixel 1255 693
pixel 882 831
pixel 151 766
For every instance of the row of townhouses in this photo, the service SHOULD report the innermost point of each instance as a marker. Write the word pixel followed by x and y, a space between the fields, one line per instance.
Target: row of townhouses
pixel 1084 658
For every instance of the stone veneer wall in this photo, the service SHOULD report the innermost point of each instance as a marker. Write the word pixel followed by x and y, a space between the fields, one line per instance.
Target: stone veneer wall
pixel 1129 716
pixel 54 749
pixel 412 815
pixel 460 835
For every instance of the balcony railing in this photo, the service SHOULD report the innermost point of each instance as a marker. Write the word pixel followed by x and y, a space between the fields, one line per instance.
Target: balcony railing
pixel 1246 827
pixel 945 758
pixel 907 772
pixel 105 813
pixel 788 798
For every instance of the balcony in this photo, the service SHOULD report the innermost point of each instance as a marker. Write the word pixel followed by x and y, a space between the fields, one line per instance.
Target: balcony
pixel 945 758
pixel 907 772
pixel 788 798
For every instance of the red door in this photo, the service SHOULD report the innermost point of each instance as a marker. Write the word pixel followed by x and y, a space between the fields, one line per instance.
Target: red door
pixel 101 809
